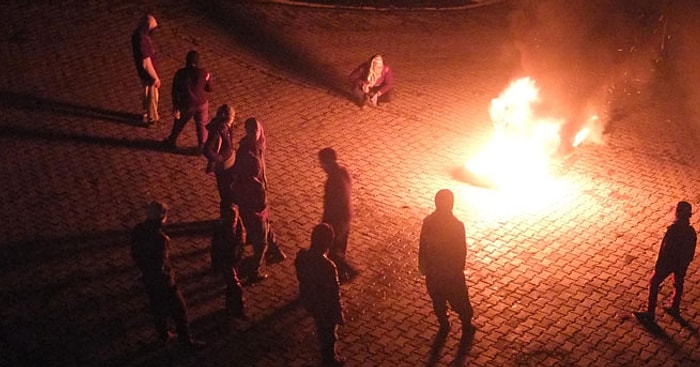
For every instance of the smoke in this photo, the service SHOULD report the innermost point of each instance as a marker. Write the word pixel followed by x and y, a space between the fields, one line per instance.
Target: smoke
pixel 581 53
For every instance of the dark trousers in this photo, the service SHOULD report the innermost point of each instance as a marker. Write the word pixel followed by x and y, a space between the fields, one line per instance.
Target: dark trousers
pixel 360 95
pixel 655 285
pixel 234 291
pixel 453 291
pixel 224 179
pixel 260 237
pixel 339 247
pixel 167 301
pixel 201 116
pixel 327 338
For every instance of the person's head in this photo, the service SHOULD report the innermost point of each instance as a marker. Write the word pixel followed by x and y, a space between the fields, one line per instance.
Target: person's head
pixel 377 63
pixel 192 58
pixel 327 157
pixel 156 211
pixel 148 23
pixel 684 210
pixel 253 128
pixel 226 113
pixel 321 238
pixel 444 200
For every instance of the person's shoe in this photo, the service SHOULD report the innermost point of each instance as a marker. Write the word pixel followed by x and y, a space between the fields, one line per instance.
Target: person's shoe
pixel 274 257
pixel 645 316
pixel 193 344
pixel 672 311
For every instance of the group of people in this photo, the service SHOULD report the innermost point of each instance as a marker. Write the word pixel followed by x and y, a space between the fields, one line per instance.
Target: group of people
pixel 239 168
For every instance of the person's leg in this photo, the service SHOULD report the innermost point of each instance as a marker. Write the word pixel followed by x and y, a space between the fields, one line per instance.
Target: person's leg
pixel 678 280
pixel 359 96
pixel 234 293
pixel 201 118
pixel 159 312
pixel 274 253
pixel 178 311
pixel 153 104
pixel 437 296
pixel 327 338
pixel 458 297
pixel 654 285
pixel 178 125
pixel 256 229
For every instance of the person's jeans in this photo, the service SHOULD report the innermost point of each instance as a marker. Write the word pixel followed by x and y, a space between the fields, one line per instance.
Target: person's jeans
pixel 201 116
pixel 150 103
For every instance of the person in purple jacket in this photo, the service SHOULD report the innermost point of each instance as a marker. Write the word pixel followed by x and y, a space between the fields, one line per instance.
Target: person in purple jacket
pixel 144 52
pixel 190 88
pixel 372 82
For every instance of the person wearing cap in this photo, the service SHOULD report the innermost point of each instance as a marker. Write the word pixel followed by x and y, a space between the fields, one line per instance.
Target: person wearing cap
pixel 676 252
pixel 442 256
pixel 149 250
pixel 191 86
pixel 372 82
pixel 144 53
pixel 319 291
pixel 337 209
pixel 227 243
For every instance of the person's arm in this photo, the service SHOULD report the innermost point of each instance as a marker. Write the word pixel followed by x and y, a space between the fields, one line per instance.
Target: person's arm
pixel 208 83
pixel 212 147
pixel 388 81
pixel 422 248
pixel 148 66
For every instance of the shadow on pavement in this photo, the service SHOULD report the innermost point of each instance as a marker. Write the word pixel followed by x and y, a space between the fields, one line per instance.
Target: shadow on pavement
pixel 272 45
pixel 29 102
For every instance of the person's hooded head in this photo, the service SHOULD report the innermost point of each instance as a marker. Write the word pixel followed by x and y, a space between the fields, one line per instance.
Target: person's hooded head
pixel 156 211
pixel 684 211
pixel 255 133
pixel 147 23
pixel 192 59
pixel 327 158
pixel 444 200
pixel 321 238
pixel 225 114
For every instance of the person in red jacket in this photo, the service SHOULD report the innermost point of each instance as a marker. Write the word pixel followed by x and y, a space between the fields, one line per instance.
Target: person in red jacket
pixel 676 252
pixel 319 291
pixel 372 82
pixel 191 86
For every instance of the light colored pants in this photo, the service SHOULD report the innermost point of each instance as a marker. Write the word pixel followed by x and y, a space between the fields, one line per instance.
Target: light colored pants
pixel 150 103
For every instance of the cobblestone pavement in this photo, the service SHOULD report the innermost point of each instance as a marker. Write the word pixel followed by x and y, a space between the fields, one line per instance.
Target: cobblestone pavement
pixel 552 285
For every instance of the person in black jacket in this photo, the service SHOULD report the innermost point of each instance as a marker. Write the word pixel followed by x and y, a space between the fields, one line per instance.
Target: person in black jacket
pixel 149 249
pixel 676 252
pixel 221 154
pixel 191 86
pixel 319 290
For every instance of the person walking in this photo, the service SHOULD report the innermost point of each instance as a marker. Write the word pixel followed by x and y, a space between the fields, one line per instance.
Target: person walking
pixel 441 258
pixel 337 210
pixel 220 153
pixel 319 291
pixel 372 82
pixel 249 190
pixel 191 86
pixel 149 250
pixel 144 52
pixel 226 252
pixel 676 252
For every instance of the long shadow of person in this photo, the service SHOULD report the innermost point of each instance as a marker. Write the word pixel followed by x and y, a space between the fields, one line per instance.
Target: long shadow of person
pixel 436 348
pixel 651 326
pixel 684 323
pixel 465 346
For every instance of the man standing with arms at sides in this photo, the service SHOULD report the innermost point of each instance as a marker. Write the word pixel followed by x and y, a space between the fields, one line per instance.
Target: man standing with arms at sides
pixel 190 87
pixel 319 291
pixel 676 253
pixel 337 210
pixel 145 59
pixel 442 255
pixel 149 249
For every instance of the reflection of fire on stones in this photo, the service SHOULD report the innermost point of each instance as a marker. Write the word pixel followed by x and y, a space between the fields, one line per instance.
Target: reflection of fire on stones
pixel 524 142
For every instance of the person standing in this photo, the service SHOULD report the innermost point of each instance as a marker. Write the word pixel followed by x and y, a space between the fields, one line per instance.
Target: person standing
pixel 372 82
pixel 319 291
pixel 337 210
pixel 441 258
pixel 149 250
pixel 220 153
pixel 191 85
pixel 249 190
pixel 144 53
pixel 226 251
pixel 676 252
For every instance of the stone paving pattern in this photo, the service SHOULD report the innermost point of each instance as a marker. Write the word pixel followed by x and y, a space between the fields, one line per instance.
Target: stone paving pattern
pixel 550 287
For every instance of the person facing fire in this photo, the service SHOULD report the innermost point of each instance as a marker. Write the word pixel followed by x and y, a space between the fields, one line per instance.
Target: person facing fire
pixel 319 291
pixel 441 258
pixel 372 82
pixel 676 252
pixel 149 249
pixel 226 252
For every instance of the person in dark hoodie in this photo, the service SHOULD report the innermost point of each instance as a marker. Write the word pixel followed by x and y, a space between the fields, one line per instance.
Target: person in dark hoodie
pixel 319 291
pixel 191 86
pixel 150 251
pixel 144 53
pixel 220 153
pixel 676 252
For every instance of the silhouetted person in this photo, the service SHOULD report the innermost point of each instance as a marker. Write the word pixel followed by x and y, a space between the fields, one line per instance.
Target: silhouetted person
pixel 337 209
pixel 441 258
pixel 144 52
pixel 149 249
pixel 191 86
pixel 676 252
pixel 250 194
pixel 226 252
pixel 319 291
pixel 220 152
pixel 372 82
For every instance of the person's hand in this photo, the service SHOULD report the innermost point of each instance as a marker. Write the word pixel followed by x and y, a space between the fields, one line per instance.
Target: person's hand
pixel 156 83
pixel 177 114
pixel 365 87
